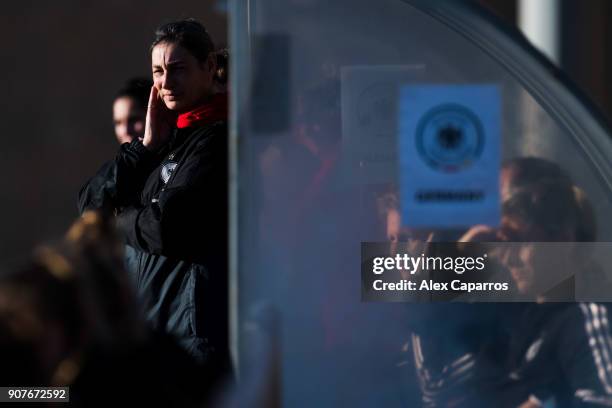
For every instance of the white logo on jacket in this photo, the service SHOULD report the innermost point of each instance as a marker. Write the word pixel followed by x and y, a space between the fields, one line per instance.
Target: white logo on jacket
pixel 533 350
pixel 167 170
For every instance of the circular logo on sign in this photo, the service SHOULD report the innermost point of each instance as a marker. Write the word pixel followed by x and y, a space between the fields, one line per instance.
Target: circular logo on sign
pixel 449 138
pixel 167 171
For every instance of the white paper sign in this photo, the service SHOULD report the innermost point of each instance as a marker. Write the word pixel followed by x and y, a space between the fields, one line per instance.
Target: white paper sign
pixel 449 155
pixel 370 96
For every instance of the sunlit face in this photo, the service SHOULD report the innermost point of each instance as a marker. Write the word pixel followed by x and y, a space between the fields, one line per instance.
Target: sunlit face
pixel 181 80
pixel 128 119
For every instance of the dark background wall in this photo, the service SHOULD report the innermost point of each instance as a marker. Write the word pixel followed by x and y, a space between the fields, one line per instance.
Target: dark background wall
pixel 61 63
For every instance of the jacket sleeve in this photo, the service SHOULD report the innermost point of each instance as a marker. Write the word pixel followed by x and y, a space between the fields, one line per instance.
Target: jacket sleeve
pixel 585 353
pixel 119 181
pixel 190 213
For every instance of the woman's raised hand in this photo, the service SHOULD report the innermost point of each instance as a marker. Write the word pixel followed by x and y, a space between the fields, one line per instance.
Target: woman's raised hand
pixel 159 122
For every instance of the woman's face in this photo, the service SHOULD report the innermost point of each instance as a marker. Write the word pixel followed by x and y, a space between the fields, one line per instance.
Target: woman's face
pixel 129 119
pixel 534 264
pixel 181 80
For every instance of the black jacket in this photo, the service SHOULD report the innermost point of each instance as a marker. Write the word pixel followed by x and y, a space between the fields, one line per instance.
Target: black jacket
pixel 171 207
pixel 559 352
pixel 562 352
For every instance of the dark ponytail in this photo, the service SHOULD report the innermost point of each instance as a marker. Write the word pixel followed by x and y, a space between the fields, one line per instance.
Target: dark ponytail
pixel 222 66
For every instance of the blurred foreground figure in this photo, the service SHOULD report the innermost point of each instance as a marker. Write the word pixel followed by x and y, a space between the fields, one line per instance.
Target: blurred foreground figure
pixel 69 318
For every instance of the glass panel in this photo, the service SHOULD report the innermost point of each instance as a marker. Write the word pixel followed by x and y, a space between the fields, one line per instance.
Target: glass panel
pixel 318 111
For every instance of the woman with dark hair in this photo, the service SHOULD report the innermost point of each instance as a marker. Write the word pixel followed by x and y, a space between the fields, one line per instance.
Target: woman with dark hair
pixel 129 113
pixel 130 110
pixel 169 194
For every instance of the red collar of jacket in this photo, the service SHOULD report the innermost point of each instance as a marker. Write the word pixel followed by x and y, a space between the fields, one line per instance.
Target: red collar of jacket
pixel 212 111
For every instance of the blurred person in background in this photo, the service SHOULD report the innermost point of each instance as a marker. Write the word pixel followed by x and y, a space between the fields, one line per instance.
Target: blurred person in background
pixel 518 354
pixel 129 113
pixel 169 194
pixel 557 353
pixel 567 216
pixel 130 110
